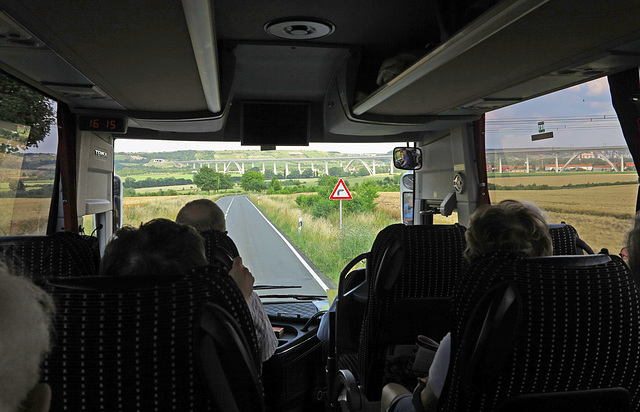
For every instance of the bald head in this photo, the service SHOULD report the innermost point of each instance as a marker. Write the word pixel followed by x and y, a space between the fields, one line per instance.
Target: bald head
pixel 203 215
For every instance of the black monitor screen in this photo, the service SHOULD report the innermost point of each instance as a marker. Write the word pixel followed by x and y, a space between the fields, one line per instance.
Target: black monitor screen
pixel 282 124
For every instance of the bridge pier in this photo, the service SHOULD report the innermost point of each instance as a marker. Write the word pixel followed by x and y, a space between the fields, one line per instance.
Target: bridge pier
pixel 527 163
pixel 275 172
pixel 326 168
pixel 286 169
pixel 299 168
pixel 373 168
pixel 500 159
pixel 557 166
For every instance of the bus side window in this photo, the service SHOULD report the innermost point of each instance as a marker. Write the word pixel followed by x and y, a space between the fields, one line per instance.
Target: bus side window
pixel 28 144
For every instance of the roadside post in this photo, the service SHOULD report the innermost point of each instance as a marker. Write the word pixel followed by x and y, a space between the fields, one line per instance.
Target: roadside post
pixel 340 192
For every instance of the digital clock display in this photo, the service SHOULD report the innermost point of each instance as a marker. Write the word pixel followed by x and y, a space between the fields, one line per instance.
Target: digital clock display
pixel 113 124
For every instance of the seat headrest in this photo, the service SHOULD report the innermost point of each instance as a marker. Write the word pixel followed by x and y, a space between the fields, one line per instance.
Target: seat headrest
pixel 113 283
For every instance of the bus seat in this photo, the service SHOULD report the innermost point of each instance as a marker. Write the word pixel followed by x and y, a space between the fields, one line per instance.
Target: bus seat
pixel 223 347
pixel 350 303
pixel 62 254
pixel 607 399
pixel 411 273
pixel 542 325
pixel 566 241
pixel 128 343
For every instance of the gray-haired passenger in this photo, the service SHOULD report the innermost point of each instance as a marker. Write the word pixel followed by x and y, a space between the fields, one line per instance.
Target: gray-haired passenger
pixel 25 328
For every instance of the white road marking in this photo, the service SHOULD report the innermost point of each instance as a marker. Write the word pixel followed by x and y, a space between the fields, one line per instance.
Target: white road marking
pixel 226 213
pixel 295 252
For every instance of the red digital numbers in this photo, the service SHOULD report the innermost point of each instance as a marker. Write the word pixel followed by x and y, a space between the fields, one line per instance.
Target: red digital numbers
pixel 103 124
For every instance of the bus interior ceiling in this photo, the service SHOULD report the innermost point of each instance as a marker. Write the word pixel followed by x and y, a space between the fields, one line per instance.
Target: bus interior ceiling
pixel 191 70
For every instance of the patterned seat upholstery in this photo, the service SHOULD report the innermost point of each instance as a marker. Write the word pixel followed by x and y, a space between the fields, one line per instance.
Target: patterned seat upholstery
pixel 215 241
pixel 62 254
pixel 566 241
pixel 562 324
pixel 128 343
pixel 416 300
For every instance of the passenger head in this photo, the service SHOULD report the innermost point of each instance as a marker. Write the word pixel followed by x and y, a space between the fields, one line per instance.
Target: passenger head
pixel 632 243
pixel 25 327
pixel 509 226
pixel 159 246
pixel 203 215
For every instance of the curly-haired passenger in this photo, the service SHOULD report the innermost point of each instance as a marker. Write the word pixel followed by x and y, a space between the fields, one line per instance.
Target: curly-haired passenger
pixel 509 226
pixel 632 246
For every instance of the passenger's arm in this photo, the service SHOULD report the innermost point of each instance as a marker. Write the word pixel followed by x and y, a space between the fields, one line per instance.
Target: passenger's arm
pixel 267 341
pixel 243 278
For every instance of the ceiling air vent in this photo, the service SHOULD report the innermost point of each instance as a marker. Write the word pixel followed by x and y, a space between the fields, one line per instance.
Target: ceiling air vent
pixel 77 91
pixel 299 28
pixel 490 103
pixel 14 35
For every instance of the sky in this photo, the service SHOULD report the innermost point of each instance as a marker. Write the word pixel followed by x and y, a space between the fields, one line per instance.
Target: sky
pixel 578 116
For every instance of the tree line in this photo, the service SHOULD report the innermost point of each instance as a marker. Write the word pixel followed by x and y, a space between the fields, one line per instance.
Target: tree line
pixel 131 183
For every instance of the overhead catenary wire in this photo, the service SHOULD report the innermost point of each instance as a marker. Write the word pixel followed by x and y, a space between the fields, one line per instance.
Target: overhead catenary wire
pixel 552 123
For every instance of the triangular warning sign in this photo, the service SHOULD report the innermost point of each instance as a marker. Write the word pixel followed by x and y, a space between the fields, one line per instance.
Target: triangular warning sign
pixel 340 192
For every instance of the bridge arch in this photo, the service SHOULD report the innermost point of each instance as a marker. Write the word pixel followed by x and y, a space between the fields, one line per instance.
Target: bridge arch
pixel 227 166
pixel 346 168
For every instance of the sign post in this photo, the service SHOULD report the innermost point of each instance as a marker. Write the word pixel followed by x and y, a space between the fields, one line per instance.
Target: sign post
pixel 340 192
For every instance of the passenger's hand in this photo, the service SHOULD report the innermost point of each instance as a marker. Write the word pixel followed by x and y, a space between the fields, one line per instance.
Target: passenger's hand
pixel 243 277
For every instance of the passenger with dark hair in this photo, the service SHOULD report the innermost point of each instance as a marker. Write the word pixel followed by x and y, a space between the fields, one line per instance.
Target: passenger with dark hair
pixel 164 247
pixel 25 338
pixel 509 226
pixel 159 246
pixel 205 215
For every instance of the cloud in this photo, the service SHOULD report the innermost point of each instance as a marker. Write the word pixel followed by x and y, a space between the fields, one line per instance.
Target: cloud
pixel 597 87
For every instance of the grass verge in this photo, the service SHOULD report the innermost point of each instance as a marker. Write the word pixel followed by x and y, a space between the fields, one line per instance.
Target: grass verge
pixel 320 239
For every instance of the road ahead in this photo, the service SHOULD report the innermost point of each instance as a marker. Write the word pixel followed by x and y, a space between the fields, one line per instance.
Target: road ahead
pixel 265 252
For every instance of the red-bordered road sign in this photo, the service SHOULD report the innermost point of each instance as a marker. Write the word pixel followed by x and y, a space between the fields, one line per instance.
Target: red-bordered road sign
pixel 340 192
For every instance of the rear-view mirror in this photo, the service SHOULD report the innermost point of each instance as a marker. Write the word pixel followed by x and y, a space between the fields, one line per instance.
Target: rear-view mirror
pixel 407 158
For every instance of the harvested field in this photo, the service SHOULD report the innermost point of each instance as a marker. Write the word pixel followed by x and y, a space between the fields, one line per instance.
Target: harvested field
pixel 602 215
